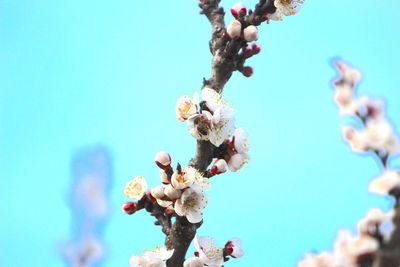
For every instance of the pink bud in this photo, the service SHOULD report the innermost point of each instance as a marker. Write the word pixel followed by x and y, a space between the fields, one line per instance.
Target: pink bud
pixel 256 48
pixel 247 52
pixel 129 208
pixel 238 9
pixel 247 71
pixel 219 167
pixel 163 160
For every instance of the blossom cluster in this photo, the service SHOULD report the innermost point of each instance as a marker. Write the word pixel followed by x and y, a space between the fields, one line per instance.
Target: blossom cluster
pixel 213 120
pixel 208 253
pixel 285 8
pixel 153 258
pixel 181 191
pixel 351 251
pixel 378 137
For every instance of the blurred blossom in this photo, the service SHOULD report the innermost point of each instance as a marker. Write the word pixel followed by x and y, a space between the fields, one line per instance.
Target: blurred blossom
pixel 91 175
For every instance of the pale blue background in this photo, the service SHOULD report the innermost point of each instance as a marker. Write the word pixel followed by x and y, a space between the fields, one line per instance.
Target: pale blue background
pixel 74 73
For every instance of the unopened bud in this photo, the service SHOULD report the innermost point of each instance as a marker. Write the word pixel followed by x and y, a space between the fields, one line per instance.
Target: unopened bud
pixel 234 29
pixel 251 33
pixel 237 9
pixel 164 177
pixel 247 71
pixel 163 160
pixel 129 208
pixel 219 167
pixel 256 48
pixel 172 193
pixel 158 192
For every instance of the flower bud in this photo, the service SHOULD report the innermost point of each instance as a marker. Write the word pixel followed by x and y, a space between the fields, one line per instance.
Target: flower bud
pixel 163 160
pixel 237 9
pixel 234 248
pixel 251 33
pixel 219 167
pixel 247 71
pixel 256 48
pixel 234 29
pixel 172 193
pixel 158 192
pixel 129 208
pixel 164 177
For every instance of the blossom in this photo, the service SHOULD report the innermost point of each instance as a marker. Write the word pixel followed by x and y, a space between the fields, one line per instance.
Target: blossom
pixel 136 188
pixel 250 33
pixel 354 247
pixel 219 167
pixel 193 262
pixel 186 107
pixel 163 160
pixel 348 74
pixel 208 250
pixel 288 7
pixel 164 203
pixel 378 135
pixel 238 8
pixel 237 161
pixel 371 223
pixel 185 178
pixel 153 258
pixel 234 248
pixel 240 140
pixel 234 29
pixel 383 185
pixel 190 205
pixel 216 124
pixel 171 192
pixel 324 259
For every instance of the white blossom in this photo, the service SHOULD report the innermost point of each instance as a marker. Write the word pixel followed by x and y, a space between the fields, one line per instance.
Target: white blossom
pixel 288 7
pixel 324 259
pixel 153 258
pixel 234 29
pixel 171 192
pixel 184 179
pixel 193 262
pixel 208 250
pixel 186 107
pixel 241 140
pixel 136 188
pixel 385 183
pixel 371 223
pixel 349 74
pixel 250 33
pixel 164 203
pixel 234 248
pixel 237 161
pixel 191 204
pixel 216 125
pixel 353 247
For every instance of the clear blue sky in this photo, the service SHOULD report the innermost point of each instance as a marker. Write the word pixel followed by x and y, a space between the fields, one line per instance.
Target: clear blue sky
pixel 74 73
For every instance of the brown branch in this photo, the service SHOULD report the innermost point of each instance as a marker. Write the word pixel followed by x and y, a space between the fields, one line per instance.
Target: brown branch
pixel 226 60
pixel 163 219
pixel 389 254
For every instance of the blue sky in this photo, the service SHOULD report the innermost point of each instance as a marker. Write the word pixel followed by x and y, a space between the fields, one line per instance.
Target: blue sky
pixel 74 73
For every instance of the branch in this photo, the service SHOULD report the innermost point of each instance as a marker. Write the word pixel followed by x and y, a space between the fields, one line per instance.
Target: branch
pixel 163 219
pixel 389 253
